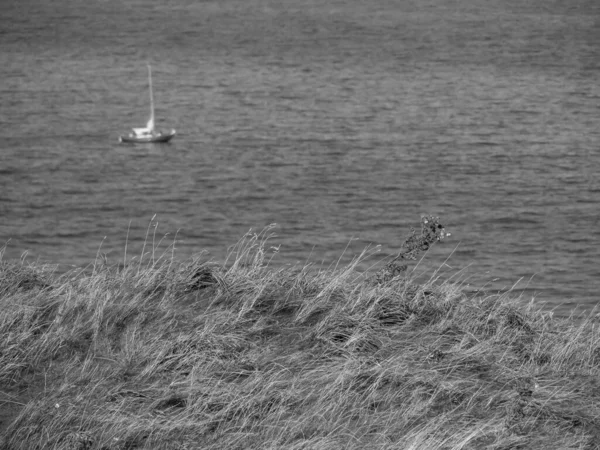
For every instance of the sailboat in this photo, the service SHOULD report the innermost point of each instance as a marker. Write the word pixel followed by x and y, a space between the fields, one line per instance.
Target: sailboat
pixel 148 133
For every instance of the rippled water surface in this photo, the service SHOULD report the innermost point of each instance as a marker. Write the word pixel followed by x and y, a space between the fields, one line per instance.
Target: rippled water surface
pixel 341 121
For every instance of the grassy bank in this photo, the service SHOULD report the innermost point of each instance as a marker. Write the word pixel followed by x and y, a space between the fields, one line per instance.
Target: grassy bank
pixel 163 354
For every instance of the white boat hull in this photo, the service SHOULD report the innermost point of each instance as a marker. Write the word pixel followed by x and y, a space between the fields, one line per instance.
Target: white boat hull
pixel 147 138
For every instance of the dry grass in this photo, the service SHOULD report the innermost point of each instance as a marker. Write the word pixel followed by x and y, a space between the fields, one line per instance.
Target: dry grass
pixel 194 355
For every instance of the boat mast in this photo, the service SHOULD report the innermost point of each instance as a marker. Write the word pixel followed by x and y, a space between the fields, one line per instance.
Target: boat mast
pixel 151 121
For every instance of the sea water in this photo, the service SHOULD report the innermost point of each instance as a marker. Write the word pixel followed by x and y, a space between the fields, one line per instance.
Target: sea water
pixel 342 121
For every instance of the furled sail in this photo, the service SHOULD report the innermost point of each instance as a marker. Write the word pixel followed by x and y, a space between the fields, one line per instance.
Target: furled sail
pixel 150 124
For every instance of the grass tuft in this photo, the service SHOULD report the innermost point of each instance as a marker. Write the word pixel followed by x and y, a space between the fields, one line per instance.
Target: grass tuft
pixel 160 354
